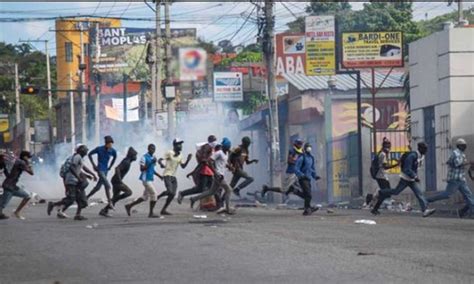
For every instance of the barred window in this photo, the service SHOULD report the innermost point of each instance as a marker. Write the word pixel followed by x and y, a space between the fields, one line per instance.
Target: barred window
pixel 445 145
pixel 68 49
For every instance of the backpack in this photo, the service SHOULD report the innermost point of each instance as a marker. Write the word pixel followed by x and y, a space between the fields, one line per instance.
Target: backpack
pixel 403 158
pixel 374 166
pixel 66 166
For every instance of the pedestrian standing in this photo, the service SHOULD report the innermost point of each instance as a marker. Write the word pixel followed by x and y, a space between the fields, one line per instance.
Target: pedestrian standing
pixel 457 166
pixel 119 188
pixel 102 168
pixel 147 168
pixel 10 187
pixel 291 183
pixel 305 171
pixel 410 162
pixel 173 159
pixel 239 157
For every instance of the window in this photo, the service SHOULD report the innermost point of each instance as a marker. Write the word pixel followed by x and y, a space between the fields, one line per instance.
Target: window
pixel 68 49
pixel 445 145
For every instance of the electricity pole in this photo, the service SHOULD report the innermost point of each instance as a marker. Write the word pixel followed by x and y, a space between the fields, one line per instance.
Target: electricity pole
pixel 71 106
pixel 460 12
pixel 169 81
pixel 97 87
pixel 269 53
pixel 81 86
pixel 159 99
pixel 17 95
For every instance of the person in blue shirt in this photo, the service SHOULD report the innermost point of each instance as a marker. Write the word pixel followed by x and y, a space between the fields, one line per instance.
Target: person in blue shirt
pixel 102 168
pixel 305 171
pixel 408 178
pixel 291 180
pixel 147 168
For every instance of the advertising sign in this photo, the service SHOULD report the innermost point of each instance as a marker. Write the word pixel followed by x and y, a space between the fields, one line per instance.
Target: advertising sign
pixel 320 45
pixel 228 87
pixel 372 49
pixel 42 131
pixel 290 53
pixel 115 111
pixel 192 63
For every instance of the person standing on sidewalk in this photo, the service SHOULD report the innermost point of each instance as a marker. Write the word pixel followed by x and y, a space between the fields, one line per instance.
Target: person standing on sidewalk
pixel 305 170
pixel 173 159
pixel 10 187
pixel 410 162
pixel 102 168
pixel 457 166
pixel 238 158
pixel 147 168
pixel 291 180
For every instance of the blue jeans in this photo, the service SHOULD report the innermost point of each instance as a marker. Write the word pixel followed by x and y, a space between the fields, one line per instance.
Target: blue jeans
pixel 102 181
pixel 451 189
pixel 387 192
pixel 8 193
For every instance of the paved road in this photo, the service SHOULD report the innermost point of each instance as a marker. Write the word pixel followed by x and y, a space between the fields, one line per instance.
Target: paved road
pixel 254 246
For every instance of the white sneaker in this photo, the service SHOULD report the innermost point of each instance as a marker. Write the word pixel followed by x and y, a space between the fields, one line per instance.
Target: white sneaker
pixel 62 215
pixel 220 210
pixel 428 212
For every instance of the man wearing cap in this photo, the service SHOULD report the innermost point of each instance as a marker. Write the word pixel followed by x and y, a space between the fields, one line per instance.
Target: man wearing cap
pixel 457 166
pixel 291 180
pixel 102 168
pixel 10 187
pixel 173 159
pixel 408 178
pixel 237 159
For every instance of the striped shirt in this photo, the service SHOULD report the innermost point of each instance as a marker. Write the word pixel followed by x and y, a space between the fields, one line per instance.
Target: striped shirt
pixel 457 166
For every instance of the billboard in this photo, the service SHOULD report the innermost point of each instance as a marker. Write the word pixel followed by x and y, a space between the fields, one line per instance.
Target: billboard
pixel 320 39
pixel 290 53
pixel 228 87
pixel 115 111
pixel 192 63
pixel 372 49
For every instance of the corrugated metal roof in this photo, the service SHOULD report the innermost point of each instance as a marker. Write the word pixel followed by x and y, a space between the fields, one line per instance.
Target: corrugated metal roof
pixel 344 82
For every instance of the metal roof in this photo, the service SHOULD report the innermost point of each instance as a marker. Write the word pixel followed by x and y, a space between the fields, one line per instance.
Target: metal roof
pixel 344 82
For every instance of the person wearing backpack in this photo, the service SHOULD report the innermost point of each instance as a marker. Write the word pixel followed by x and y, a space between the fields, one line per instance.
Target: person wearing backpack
pixel 75 181
pixel 408 178
pixel 104 153
pixel 305 170
pixel 457 166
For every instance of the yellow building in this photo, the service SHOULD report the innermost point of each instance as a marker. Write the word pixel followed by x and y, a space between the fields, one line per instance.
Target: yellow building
pixel 68 48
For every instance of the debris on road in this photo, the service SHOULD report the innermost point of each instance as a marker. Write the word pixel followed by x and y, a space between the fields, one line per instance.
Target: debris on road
pixel 93 226
pixel 365 253
pixel 200 216
pixel 330 211
pixel 366 222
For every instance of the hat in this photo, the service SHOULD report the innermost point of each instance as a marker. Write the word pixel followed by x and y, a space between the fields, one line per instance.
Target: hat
pixel 246 140
pixel 211 138
pixel 298 142
pixel 177 141
pixel 25 153
pixel 461 141
pixel 108 139
pixel 78 145
pixel 226 142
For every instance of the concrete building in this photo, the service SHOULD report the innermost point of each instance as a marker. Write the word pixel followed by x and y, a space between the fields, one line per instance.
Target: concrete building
pixel 442 97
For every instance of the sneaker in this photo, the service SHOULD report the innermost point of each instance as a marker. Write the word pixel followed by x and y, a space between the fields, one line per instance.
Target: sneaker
pixel 307 212
pixel 221 210
pixel 18 216
pixel 180 198
pixel 264 190
pixel 375 212
pixel 428 212
pixel 191 203
pixel 111 207
pixel 80 218
pixel 127 208
pixel 166 213
pixel 230 211
pixel 3 217
pixel 104 214
pixel 50 208
pixel 153 216
pixel 62 215
pixel 314 209
pixel 236 191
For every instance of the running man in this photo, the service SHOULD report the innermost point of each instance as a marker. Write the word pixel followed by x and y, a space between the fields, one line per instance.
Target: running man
pixel 457 164
pixel 173 159
pixel 119 188
pixel 291 180
pixel 10 187
pixel 147 168
pixel 220 159
pixel 238 158
pixel 408 178
pixel 305 170
pixel 75 181
pixel 102 168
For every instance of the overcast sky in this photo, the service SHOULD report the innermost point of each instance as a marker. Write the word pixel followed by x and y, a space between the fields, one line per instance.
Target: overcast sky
pixel 214 20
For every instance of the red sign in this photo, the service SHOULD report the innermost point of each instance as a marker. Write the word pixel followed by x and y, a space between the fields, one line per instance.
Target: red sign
pixel 290 53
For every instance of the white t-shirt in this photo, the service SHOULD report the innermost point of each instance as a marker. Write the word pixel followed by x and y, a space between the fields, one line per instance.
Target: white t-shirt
pixel 220 159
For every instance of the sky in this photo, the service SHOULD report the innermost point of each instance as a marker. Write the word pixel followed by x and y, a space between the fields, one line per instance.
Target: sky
pixel 214 21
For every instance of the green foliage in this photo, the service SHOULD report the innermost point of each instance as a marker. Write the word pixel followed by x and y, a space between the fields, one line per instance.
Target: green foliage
pixel 243 57
pixel 428 27
pixel 252 100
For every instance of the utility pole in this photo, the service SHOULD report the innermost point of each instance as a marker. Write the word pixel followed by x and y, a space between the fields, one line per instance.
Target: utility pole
pixel 71 106
pixel 169 81
pixel 159 98
pixel 152 62
pixel 17 95
pixel 460 12
pixel 97 88
pixel 269 53
pixel 81 86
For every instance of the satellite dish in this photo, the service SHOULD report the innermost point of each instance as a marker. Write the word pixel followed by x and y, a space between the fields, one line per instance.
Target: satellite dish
pixel 238 49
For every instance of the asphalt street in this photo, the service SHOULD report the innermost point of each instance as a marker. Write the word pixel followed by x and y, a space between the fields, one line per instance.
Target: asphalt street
pixel 257 245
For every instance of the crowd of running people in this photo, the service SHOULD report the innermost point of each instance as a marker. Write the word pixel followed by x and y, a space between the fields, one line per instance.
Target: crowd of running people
pixel 215 162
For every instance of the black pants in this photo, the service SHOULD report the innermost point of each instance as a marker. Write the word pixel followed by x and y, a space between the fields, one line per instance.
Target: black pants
pixel 74 193
pixel 383 183
pixel 238 174
pixel 305 184
pixel 204 183
pixel 171 184
pixel 121 191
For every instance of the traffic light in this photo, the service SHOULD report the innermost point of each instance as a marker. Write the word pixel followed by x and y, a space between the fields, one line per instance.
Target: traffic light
pixel 30 90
